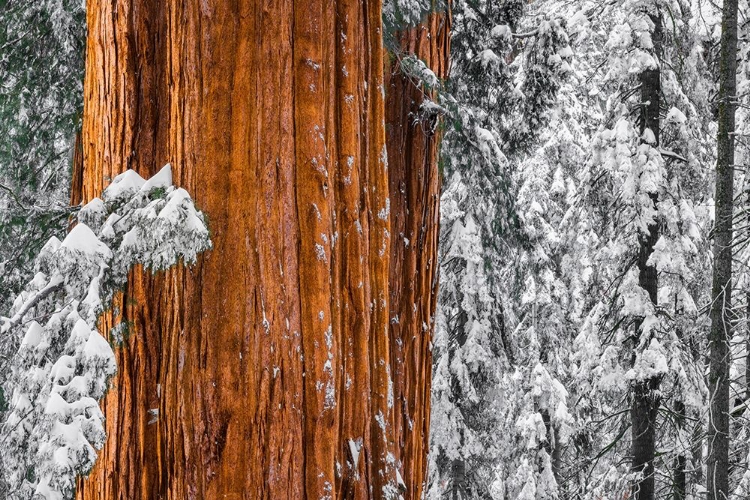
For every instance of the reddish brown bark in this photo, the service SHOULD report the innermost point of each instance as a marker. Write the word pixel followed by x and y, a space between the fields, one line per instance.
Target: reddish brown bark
pixel 413 141
pixel 259 372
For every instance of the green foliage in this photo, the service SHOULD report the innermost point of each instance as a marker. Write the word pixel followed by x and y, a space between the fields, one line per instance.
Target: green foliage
pixel 41 70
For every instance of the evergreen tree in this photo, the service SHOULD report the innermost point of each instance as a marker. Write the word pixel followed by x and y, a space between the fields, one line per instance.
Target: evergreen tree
pixel 641 341
pixel 717 465
pixel 41 67
pixel 506 71
pixel 61 364
pixel 560 289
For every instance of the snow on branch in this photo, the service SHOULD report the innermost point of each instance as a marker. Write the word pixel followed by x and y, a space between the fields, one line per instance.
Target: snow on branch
pixel 672 155
pixel 417 69
pixel 60 362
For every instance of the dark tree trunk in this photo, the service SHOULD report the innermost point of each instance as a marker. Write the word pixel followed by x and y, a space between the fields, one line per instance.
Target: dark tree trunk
pixel 643 416
pixel 681 460
pixel 458 464
pixel 645 400
pixel 721 305
pixel 458 483
pixel 747 346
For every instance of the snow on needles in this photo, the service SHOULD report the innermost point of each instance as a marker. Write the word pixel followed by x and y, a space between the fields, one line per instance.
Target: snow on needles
pixel 62 363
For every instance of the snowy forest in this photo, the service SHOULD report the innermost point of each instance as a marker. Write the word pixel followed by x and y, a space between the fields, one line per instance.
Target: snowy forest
pixel 375 249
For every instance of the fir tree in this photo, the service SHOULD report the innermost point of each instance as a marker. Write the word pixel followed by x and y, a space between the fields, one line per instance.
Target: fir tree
pixel 41 67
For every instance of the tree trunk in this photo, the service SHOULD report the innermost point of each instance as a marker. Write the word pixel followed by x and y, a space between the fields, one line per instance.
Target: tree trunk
pixel 747 346
pixel 679 486
pixel 645 400
pixel 264 372
pixel 721 294
pixel 680 463
pixel 413 148
pixel 643 415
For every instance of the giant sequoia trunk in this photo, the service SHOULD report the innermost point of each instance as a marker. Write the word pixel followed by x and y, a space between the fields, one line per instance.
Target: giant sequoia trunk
pixel 717 466
pixel 273 369
pixel 412 139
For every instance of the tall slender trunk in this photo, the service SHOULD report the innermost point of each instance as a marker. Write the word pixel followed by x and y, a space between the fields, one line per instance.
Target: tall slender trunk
pixel 679 485
pixel 645 400
pixel 721 322
pixel 680 462
pixel 266 370
pixel 747 346
pixel 458 480
pixel 458 474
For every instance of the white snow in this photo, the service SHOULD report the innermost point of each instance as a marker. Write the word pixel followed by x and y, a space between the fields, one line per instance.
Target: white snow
pixel 83 239
pixel 162 179
pixel 123 185
pixel 63 364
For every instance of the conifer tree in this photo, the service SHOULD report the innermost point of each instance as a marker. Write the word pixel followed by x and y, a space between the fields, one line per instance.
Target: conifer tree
pixel 717 477
pixel 645 390
pixel 506 72
pixel 41 69
pixel 276 354
pixel 614 205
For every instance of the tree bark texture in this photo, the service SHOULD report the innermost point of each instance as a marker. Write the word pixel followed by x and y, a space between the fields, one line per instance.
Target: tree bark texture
pixel 413 147
pixel 268 370
pixel 645 405
pixel 717 465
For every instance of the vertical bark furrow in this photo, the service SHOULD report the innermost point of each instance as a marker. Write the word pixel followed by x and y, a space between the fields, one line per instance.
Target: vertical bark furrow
pixel 264 371
pixel 315 208
pixel 352 296
pixel 413 147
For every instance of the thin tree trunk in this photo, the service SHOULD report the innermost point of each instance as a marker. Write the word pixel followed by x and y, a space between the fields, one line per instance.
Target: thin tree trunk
pixel 679 486
pixel 458 484
pixel 645 400
pixel 747 347
pixel 265 371
pixel 680 474
pixel 718 378
pixel 643 416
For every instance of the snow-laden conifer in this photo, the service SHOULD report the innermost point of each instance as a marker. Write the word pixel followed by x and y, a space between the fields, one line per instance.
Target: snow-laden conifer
pixel 506 72
pixel 60 361
pixel 41 97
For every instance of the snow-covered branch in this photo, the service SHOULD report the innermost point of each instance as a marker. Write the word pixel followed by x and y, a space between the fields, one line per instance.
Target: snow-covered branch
pixel 59 369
